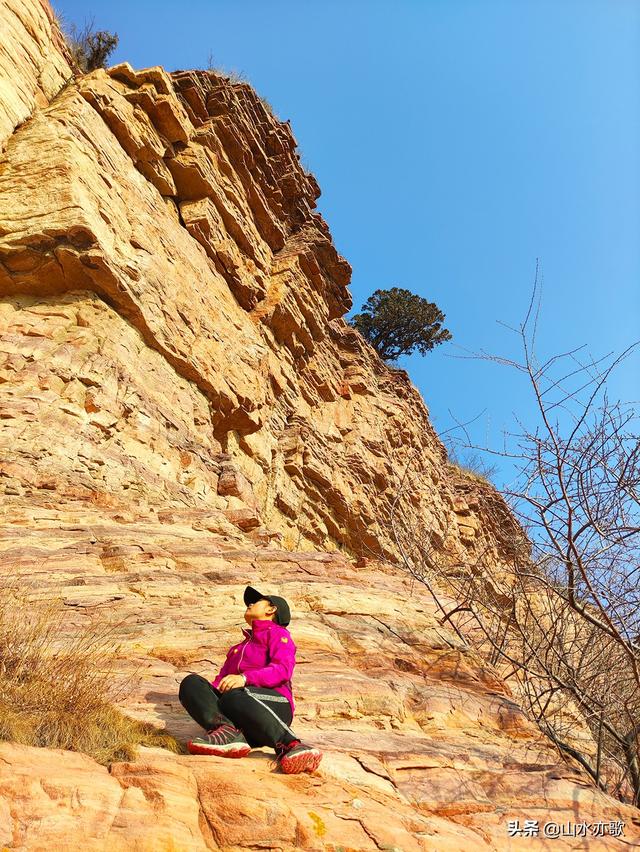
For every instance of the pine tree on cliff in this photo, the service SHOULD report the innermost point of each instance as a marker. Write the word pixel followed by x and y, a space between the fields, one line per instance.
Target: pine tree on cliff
pixel 396 322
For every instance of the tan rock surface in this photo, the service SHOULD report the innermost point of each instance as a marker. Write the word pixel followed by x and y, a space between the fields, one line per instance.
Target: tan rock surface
pixel 424 747
pixel 178 206
pixel 182 412
pixel 34 61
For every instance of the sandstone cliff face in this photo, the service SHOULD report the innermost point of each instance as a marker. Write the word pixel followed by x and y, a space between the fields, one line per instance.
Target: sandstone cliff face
pixel 178 210
pixel 183 411
pixel 34 62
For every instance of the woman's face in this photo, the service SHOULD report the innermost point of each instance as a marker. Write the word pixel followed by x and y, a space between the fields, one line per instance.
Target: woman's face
pixel 261 610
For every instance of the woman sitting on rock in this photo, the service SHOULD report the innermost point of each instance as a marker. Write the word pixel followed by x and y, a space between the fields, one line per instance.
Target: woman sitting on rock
pixel 250 703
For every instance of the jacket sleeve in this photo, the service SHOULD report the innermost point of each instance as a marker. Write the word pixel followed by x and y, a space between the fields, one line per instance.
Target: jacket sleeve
pixel 223 671
pixel 282 659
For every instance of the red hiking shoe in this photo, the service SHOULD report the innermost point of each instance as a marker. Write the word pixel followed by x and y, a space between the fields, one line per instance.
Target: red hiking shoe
pixel 223 741
pixel 297 757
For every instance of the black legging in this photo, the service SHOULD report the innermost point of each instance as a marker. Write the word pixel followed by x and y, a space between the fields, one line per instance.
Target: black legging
pixel 263 715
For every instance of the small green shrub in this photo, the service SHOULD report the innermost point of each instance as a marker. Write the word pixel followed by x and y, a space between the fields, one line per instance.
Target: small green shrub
pixel 89 48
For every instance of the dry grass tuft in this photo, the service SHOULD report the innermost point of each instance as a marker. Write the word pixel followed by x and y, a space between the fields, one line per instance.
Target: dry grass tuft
pixel 58 683
pixel 469 472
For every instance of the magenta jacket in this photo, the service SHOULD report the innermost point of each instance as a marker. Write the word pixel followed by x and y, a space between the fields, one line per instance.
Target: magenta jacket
pixel 266 657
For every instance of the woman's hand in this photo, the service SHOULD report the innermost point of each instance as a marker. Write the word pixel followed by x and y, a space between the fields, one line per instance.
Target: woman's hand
pixel 231 682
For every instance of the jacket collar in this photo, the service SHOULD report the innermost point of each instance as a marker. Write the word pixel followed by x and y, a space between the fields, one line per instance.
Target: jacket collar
pixel 259 626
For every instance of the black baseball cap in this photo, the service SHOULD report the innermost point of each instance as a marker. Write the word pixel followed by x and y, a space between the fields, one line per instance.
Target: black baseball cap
pixel 283 613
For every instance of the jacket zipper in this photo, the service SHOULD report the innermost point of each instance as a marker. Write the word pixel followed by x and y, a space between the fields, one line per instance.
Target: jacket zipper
pixel 289 684
pixel 246 642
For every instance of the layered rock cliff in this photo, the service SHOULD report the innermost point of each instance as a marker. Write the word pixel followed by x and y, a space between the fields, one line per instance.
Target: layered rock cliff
pixel 183 411
pixel 177 209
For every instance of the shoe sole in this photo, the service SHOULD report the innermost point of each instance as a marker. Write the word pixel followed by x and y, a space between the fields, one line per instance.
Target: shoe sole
pixel 308 761
pixel 241 751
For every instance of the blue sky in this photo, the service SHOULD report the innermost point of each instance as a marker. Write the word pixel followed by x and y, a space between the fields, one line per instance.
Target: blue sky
pixel 455 142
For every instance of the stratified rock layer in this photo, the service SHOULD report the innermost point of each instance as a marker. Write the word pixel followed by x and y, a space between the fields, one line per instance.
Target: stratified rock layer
pixel 177 206
pixel 183 411
pixel 34 61
pixel 424 746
